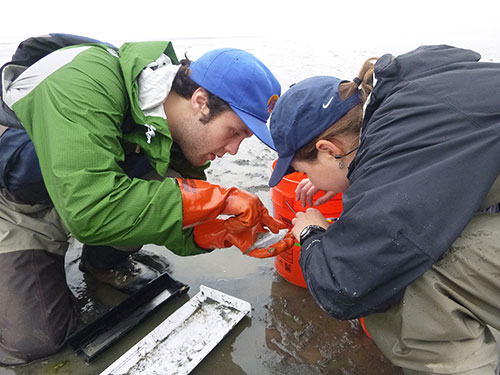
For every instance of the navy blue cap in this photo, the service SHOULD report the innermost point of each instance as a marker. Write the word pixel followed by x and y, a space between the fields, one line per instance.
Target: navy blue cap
pixel 305 111
pixel 244 82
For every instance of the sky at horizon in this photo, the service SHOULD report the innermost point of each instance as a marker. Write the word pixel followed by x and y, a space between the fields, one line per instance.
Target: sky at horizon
pixel 346 22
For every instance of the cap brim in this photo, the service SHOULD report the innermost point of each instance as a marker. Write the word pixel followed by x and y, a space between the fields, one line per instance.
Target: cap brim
pixel 281 168
pixel 257 126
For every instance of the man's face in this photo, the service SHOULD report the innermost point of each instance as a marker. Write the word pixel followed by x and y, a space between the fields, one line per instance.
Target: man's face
pixel 222 134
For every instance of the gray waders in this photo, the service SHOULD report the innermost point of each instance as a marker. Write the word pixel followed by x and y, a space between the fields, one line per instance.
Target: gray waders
pixel 441 324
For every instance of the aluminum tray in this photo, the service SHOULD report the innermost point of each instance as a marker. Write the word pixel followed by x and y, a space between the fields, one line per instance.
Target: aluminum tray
pixel 181 341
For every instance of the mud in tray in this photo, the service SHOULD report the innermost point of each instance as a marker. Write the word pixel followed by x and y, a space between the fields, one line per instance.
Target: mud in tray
pixel 98 335
pixel 179 343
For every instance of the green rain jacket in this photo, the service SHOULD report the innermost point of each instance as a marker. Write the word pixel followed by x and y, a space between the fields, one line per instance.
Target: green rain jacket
pixel 73 103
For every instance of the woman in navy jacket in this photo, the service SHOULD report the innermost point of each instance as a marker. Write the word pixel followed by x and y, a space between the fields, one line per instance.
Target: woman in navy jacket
pixel 413 143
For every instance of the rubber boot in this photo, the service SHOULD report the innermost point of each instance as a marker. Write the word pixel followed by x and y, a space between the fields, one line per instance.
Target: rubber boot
pixel 125 271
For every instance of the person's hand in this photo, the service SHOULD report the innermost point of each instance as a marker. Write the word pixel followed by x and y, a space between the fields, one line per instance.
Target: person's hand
pixel 305 192
pixel 203 201
pixel 311 216
pixel 214 234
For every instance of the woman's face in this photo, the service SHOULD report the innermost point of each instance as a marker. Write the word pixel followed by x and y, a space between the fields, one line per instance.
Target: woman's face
pixel 325 172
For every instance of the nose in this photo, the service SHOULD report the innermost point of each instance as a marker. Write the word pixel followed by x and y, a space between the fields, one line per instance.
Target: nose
pixel 233 147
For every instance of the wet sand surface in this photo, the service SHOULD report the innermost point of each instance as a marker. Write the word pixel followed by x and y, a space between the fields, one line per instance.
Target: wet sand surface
pixel 287 333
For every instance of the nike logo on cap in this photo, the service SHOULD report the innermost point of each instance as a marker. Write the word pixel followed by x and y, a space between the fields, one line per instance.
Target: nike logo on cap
pixel 325 105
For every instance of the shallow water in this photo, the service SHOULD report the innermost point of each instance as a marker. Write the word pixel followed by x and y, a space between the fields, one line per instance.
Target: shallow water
pixel 288 333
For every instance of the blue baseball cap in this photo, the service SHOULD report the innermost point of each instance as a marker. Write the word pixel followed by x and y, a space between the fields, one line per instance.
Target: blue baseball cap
pixel 305 111
pixel 244 82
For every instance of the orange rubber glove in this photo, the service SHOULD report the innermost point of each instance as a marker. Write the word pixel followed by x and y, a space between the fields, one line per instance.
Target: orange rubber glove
pixel 284 245
pixel 203 201
pixel 215 235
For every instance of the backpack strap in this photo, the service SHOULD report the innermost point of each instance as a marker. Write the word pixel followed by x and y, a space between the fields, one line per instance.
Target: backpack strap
pixel 8 118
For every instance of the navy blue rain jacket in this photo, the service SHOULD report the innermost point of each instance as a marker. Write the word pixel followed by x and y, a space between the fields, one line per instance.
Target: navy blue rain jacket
pixel 429 153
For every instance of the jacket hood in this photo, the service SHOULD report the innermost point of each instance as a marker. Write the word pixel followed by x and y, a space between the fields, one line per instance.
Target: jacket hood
pixel 155 138
pixel 422 60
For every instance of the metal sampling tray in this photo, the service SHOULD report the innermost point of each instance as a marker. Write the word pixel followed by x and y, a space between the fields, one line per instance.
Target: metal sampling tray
pixel 181 341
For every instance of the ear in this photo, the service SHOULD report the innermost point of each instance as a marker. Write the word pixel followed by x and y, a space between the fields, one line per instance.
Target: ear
pixel 331 147
pixel 199 101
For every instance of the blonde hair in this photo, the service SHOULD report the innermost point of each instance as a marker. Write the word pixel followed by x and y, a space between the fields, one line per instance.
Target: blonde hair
pixel 350 123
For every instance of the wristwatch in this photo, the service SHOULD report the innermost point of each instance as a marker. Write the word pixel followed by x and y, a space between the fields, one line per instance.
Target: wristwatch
pixel 309 231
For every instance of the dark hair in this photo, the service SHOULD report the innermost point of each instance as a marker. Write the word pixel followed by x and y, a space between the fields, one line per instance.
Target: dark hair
pixel 184 86
pixel 351 122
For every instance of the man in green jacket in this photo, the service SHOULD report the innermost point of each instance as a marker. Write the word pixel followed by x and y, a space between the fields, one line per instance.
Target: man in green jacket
pixel 110 129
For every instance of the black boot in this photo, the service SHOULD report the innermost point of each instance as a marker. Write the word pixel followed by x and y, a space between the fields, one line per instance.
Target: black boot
pixel 125 271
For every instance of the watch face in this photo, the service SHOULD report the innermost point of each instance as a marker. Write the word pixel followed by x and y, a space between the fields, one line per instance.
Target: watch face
pixel 309 231
pixel 305 231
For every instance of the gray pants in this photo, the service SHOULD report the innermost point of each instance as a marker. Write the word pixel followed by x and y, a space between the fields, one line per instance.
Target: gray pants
pixel 441 324
pixel 37 309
